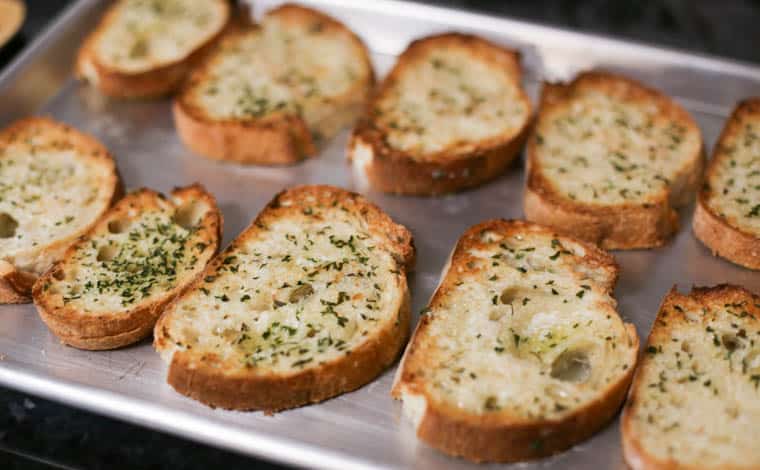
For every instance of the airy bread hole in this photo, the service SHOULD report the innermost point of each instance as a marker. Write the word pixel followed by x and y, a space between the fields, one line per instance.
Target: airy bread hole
pixel 107 253
pixel 508 295
pixel 118 226
pixel 572 366
pixel 59 275
pixel 731 342
pixel 8 225
pixel 189 215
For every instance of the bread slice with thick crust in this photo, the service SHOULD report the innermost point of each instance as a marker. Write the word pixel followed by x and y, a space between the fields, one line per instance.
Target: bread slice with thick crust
pixel 111 286
pixel 610 160
pixel 55 182
pixel 309 302
pixel 146 48
pixel 271 94
pixel 520 353
pixel 451 115
pixel 694 400
pixel 727 217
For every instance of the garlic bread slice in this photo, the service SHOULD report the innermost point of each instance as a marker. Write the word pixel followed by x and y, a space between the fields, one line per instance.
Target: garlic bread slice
pixel 695 401
pixel 271 94
pixel 610 160
pixel 55 182
pixel 309 302
pixel 145 48
pixel 727 217
pixel 111 286
pixel 520 353
pixel 452 114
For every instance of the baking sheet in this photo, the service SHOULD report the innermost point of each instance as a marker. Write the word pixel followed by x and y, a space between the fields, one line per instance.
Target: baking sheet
pixel 362 429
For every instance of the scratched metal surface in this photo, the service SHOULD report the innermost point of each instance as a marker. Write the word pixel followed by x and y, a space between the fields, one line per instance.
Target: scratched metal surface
pixel 361 429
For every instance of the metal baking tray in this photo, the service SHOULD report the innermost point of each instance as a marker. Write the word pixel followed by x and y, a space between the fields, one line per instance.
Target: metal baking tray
pixel 363 429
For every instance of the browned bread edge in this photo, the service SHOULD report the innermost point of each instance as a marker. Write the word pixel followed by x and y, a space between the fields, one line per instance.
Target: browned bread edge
pixel 488 438
pixel 622 226
pixel 722 238
pixel 635 456
pixel 152 83
pixel 273 140
pixel 393 171
pixel 217 388
pixel 16 285
pixel 112 330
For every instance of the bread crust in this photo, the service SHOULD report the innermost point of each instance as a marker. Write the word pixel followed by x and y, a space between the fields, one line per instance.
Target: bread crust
pixel 153 83
pixel 207 379
pixel 110 330
pixel 620 226
pixel 394 171
pixel 276 139
pixel 635 455
pixel 721 237
pixel 16 284
pixel 494 437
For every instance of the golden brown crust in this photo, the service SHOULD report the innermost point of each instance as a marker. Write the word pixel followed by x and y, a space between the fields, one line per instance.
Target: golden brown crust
pixel 109 330
pixel 152 83
pixel 635 455
pixel 212 386
pixel 277 139
pixel 16 285
pixel 494 437
pixel 619 226
pixel 447 171
pixel 216 383
pixel 721 237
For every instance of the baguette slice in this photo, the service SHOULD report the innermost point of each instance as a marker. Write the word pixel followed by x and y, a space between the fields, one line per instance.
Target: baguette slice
pixel 452 114
pixel 520 353
pixel 727 217
pixel 270 95
pixel 146 48
pixel 55 182
pixel 111 286
pixel 694 401
pixel 610 160
pixel 309 302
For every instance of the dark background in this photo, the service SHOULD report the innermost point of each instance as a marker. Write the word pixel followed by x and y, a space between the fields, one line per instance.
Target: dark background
pixel 37 433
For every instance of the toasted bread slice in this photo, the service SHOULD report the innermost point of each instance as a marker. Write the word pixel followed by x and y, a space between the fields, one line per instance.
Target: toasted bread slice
pixel 727 217
pixel 270 95
pixel 451 115
pixel 146 48
pixel 610 160
pixel 520 353
pixel 309 302
pixel 693 402
pixel 55 182
pixel 111 286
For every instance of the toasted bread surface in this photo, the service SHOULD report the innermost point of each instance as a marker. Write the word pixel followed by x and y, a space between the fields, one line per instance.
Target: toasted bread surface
pixel 520 353
pixel 610 160
pixel 55 182
pixel 309 302
pixel 145 48
pixel 727 217
pixel 694 400
pixel 111 286
pixel 451 115
pixel 271 94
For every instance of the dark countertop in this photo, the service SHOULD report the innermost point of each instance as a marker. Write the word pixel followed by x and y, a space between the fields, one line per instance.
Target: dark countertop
pixel 37 433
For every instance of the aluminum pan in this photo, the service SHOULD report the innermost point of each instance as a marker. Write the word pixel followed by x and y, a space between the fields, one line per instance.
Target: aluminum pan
pixel 361 429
